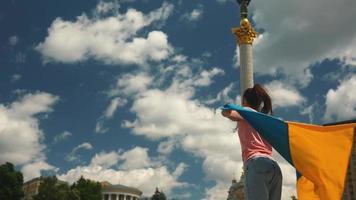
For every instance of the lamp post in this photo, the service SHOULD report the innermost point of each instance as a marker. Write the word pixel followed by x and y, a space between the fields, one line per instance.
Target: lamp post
pixel 245 35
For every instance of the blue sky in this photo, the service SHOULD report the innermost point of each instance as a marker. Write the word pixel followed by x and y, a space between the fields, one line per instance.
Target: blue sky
pixel 126 91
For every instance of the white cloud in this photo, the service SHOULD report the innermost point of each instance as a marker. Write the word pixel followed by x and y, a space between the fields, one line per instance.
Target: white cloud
pixel 32 104
pixel 126 86
pixel 131 84
pixel 224 96
pixel 283 95
pixel 114 105
pixel 106 160
pixel 179 58
pixel 32 170
pixel 194 15
pixel 309 111
pixel 341 102
pixel 166 147
pixel 16 77
pixel 13 40
pixel 112 40
pixel 73 155
pixel 162 114
pixel 99 127
pixel 219 191
pixel 62 136
pixel 106 7
pixel 205 78
pixel 302 33
pixel 135 159
pixel 175 114
pixel 145 177
pixel 84 145
pixel 20 135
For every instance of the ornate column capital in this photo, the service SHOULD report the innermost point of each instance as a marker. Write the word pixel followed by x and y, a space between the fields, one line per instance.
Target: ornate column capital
pixel 245 33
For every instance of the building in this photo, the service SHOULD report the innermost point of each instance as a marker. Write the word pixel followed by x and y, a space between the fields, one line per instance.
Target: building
pixel 236 191
pixel 350 183
pixel 108 191
pixel 119 192
pixel 30 188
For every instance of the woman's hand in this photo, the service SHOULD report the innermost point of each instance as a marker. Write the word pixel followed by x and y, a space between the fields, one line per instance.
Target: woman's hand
pixel 226 113
pixel 231 114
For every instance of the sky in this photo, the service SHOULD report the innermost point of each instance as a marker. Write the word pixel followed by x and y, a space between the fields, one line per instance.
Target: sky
pixel 128 91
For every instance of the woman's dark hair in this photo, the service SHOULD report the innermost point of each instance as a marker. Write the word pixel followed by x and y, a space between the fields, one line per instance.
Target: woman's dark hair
pixel 256 96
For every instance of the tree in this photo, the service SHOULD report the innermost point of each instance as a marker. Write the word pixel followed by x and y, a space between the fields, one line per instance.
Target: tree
pixel 11 182
pixel 87 189
pixel 158 195
pixel 52 189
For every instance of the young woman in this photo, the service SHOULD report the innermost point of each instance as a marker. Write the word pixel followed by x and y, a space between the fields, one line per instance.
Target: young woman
pixel 263 177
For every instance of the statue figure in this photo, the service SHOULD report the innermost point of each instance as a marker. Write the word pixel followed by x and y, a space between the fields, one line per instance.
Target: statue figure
pixel 243 7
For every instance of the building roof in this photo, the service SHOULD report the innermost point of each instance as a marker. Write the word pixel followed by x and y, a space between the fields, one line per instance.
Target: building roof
pixel 108 187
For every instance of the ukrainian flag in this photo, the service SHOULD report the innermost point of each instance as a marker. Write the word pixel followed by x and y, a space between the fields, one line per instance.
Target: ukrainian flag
pixel 320 154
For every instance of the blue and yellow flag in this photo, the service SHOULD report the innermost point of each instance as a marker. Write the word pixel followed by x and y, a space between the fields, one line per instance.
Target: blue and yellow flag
pixel 320 154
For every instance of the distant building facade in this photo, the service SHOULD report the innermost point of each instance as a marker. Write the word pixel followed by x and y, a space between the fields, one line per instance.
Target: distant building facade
pixel 119 192
pixel 236 191
pixel 108 191
pixel 30 188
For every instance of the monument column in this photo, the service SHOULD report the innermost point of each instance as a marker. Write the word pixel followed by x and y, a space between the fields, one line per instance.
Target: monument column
pixel 245 36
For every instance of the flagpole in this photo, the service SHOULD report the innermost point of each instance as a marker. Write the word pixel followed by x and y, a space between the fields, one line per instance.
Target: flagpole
pixel 245 35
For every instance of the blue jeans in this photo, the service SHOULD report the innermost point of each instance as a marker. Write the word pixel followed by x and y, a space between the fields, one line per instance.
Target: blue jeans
pixel 263 179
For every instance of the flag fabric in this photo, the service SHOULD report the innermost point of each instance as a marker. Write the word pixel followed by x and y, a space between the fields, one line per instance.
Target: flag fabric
pixel 320 154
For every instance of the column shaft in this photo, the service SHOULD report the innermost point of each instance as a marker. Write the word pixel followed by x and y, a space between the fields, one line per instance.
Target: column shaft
pixel 246 67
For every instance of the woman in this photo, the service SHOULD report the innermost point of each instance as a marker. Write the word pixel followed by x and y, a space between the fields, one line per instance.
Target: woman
pixel 263 177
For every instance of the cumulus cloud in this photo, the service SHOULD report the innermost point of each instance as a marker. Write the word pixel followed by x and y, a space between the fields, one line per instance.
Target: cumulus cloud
pixel 206 77
pixel 131 84
pixel 283 95
pixel 126 86
pixel 161 114
pixel 176 115
pixel 135 159
pixel 73 155
pixel 33 169
pixel 19 127
pixel 299 34
pixel 105 160
pixel 144 176
pixel 112 39
pixel 341 102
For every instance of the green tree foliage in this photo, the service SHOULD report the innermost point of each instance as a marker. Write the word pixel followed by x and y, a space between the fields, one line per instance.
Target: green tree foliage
pixel 87 189
pixel 158 195
pixel 10 182
pixel 52 189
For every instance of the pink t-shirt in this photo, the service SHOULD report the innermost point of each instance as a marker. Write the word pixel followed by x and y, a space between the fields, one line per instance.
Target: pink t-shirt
pixel 252 144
